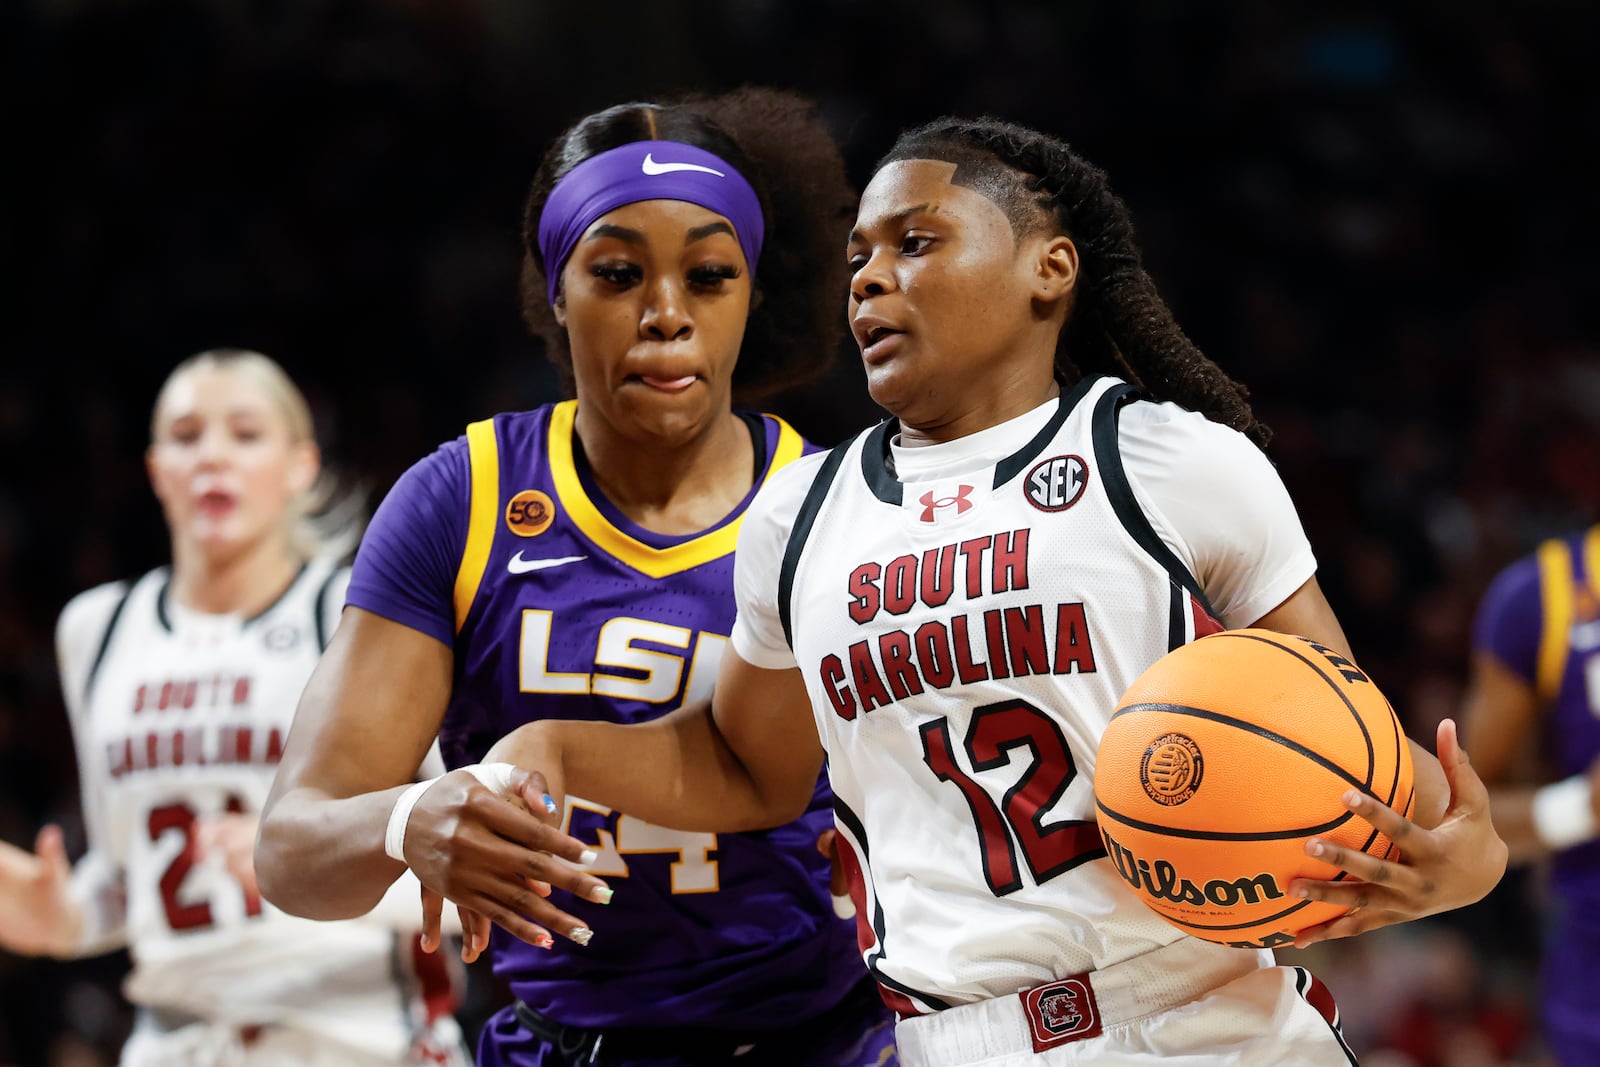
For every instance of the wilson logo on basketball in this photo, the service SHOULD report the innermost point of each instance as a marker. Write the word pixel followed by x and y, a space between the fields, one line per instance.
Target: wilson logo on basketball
pixel 1057 483
pixel 1171 769
pixel 1160 879
pixel 931 504
pixel 530 513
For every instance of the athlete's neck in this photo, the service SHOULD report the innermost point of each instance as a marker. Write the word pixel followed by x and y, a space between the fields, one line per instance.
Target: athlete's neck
pixel 984 410
pixel 245 582
pixel 675 489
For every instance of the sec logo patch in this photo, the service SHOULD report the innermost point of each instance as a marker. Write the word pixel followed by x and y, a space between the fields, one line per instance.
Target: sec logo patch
pixel 530 513
pixel 1056 483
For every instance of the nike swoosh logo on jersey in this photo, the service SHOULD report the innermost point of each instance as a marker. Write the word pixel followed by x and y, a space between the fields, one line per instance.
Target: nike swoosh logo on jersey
pixel 650 166
pixel 517 565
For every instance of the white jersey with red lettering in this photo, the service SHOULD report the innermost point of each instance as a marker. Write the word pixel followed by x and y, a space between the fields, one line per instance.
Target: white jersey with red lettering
pixel 966 617
pixel 180 717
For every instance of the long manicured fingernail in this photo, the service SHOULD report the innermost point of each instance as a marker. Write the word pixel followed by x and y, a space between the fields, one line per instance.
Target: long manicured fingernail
pixel 545 941
pixel 550 804
pixel 1352 799
pixel 589 856
pixel 1315 848
pixel 581 934
pixel 600 894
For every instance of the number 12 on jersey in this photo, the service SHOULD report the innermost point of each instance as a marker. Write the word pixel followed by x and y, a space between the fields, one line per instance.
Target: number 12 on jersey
pixel 1016 822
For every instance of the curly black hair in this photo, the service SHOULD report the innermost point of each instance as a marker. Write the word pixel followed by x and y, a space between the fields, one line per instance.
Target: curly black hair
pixel 1119 324
pixel 775 140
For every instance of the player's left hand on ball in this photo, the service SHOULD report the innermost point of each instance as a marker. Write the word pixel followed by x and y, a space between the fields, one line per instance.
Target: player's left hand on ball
pixel 1454 864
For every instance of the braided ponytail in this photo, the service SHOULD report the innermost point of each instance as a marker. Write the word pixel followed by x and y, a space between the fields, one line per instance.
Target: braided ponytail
pixel 1120 324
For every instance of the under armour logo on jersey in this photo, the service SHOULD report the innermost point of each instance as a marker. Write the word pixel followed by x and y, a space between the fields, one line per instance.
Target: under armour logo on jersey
pixel 1056 483
pixel 931 503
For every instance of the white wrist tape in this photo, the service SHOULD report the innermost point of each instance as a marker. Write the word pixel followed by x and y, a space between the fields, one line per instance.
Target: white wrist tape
pixel 497 776
pixel 394 835
pixel 1563 813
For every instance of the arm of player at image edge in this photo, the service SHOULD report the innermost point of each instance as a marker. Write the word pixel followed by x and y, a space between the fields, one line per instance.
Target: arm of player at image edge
pixel 1499 713
pixel 50 907
pixel 1449 853
pixel 748 760
pixel 332 826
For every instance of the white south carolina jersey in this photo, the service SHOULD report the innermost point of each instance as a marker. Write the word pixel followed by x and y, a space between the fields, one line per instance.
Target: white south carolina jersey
pixel 180 717
pixel 966 617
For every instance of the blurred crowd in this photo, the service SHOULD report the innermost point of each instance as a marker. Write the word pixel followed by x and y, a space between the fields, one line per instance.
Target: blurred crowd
pixel 1380 217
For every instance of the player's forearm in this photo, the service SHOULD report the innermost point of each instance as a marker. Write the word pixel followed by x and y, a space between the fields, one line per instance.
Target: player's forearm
pixel 676 771
pixel 43 910
pixel 27 932
pixel 1511 809
pixel 322 857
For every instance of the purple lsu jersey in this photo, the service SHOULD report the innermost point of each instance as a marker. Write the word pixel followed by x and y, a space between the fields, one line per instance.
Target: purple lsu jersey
pixel 1541 618
pixel 565 609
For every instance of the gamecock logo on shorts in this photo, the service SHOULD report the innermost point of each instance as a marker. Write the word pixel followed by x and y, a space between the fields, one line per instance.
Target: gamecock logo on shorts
pixel 1060 1012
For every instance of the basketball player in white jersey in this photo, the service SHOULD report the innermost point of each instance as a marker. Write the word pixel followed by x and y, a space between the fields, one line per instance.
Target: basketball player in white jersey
pixel 181 687
pixel 948 606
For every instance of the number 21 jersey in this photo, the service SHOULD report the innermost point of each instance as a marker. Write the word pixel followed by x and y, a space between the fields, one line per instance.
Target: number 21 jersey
pixel 180 717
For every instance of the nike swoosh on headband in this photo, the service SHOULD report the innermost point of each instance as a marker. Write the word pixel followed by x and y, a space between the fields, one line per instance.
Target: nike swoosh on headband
pixel 650 166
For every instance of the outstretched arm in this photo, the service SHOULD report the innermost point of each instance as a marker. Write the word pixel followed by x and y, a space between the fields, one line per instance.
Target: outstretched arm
pixel 39 916
pixel 1498 717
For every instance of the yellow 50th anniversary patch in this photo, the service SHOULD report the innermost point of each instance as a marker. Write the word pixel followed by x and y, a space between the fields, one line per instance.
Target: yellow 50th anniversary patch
pixel 530 513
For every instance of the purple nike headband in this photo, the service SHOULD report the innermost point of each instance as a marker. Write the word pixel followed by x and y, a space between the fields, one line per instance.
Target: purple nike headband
pixel 645 170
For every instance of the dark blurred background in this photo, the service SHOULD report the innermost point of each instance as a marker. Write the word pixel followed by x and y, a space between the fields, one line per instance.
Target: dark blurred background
pixel 1382 217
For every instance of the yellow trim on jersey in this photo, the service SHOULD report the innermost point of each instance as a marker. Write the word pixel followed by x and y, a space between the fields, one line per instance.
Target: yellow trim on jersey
pixel 1591 558
pixel 483 458
pixel 647 559
pixel 1555 590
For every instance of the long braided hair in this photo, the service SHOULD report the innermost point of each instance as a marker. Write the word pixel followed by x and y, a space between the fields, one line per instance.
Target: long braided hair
pixel 1119 323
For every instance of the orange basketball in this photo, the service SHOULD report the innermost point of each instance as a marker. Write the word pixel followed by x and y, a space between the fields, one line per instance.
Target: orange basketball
pixel 1221 761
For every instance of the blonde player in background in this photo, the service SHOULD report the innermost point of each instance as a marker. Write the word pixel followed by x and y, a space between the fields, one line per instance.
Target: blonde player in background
pixel 181 686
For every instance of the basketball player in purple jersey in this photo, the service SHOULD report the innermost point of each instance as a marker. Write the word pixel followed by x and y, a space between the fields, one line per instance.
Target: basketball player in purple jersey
pixel 1536 675
pixel 576 562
